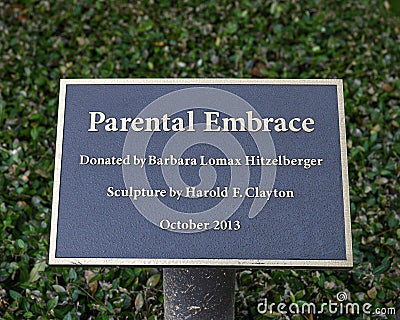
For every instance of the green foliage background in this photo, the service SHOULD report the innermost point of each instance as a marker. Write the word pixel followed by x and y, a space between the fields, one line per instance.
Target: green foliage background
pixel 43 41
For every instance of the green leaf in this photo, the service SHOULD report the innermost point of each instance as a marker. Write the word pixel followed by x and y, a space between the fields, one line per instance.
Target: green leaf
pixel 137 271
pixel 15 295
pixel 393 221
pixel 153 280
pixel 35 272
pixel 51 304
pixel 34 133
pixel 20 243
pixel 386 173
pixel 109 307
pixel 72 274
pixel 68 316
pixel 59 289
pixel 383 267
pixel 321 281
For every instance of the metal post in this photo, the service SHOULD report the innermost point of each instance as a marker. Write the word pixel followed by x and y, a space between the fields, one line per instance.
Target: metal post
pixel 199 293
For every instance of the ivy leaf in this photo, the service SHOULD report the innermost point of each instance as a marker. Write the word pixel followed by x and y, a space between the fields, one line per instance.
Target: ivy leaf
pixel 15 295
pixel 52 303
pixel 139 301
pixel 383 267
pixel 59 289
pixel 35 272
pixel 153 280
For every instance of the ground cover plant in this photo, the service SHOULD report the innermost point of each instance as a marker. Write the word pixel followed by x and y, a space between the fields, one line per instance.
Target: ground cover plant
pixel 43 41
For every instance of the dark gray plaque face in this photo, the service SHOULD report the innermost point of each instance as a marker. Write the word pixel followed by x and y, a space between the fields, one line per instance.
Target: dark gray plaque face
pixel 220 172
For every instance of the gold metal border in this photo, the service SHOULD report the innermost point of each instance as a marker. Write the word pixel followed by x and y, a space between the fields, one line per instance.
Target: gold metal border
pixel 348 263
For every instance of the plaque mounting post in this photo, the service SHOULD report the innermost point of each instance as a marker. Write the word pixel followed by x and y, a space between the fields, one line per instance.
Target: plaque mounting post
pixel 199 293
